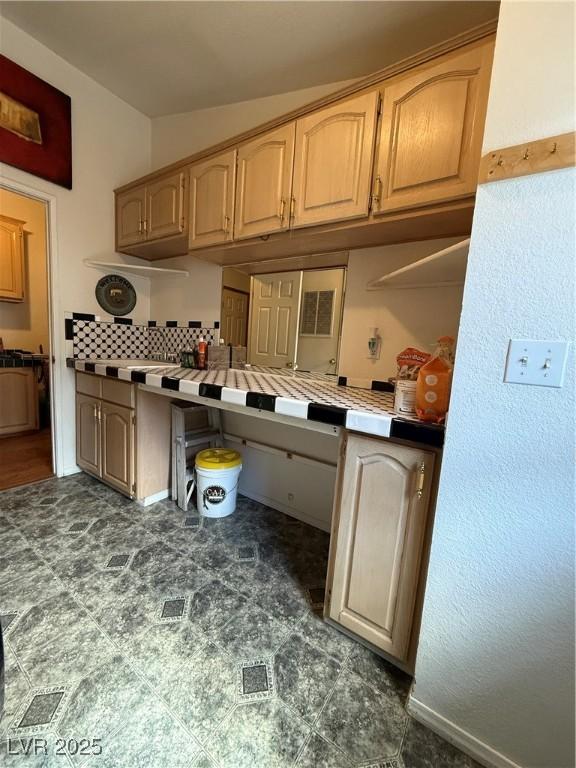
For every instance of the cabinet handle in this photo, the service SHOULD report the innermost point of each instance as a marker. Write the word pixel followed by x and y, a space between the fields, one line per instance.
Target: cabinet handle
pixel 282 209
pixel 420 480
pixel 377 194
pixel 140 223
pixel 226 223
pixel 145 225
pixel 98 413
pixel 292 206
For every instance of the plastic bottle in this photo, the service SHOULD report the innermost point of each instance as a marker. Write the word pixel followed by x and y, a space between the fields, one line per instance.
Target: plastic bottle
pixel 202 349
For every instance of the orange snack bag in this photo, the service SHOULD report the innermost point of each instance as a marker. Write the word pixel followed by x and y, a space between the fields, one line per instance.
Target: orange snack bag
pixel 433 390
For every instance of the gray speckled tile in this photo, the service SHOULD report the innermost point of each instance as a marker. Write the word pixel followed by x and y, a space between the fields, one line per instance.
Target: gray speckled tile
pixel 249 634
pixel 153 558
pixel 287 603
pixel 203 761
pixel 107 587
pixel 263 734
pixel 319 753
pixel 16 690
pixel 14 565
pixel 316 631
pixel 149 736
pixel 363 722
pixel 29 589
pixel 162 651
pixel 180 578
pixel 99 703
pixel 202 691
pixel 56 641
pixel 304 676
pixel 213 605
pixel 422 748
pixel 379 673
pixel 124 621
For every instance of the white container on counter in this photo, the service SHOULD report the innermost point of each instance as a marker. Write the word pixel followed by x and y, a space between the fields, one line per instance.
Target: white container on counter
pixel 405 397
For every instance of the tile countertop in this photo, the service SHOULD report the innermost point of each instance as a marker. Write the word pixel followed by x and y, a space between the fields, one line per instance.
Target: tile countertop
pixel 316 397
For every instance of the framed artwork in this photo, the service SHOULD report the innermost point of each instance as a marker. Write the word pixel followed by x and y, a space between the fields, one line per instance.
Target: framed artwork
pixel 35 125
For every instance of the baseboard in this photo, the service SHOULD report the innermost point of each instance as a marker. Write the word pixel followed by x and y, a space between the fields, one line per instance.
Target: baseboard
pixel 73 469
pixel 477 749
pixel 290 511
pixel 160 496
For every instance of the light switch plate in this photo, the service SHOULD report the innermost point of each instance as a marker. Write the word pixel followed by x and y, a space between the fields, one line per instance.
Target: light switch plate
pixel 541 363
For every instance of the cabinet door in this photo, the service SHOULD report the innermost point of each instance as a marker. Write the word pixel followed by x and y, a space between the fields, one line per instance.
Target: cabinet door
pixel 333 162
pixel 382 519
pixel 165 206
pixel 11 259
pixel 118 447
pixel 264 183
pixel 212 200
pixel 130 216
pixel 431 133
pixel 18 400
pixel 88 433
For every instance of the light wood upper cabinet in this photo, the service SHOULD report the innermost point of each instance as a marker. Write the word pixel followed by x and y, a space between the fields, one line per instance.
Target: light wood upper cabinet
pixel 130 216
pixel 88 433
pixel 165 208
pixel 333 162
pixel 264 183
pixel 431 131
pixel 378 535
pixel 118 446
pixel 212 200
pixel 11 259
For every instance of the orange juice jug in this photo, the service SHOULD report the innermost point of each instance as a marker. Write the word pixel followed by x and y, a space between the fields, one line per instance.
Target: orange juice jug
pixel 433 390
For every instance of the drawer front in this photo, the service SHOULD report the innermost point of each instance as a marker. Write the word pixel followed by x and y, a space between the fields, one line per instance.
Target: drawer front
pixel 118 392
pixel 88 384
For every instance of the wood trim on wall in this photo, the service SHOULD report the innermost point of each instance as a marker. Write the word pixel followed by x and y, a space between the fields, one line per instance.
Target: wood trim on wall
pixel 469 36
pixel 550 154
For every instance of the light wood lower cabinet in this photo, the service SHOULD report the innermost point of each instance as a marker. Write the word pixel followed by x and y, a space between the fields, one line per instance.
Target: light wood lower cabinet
pixel 105 437
pixel 378 534
pixel 18 400
pixel 117 436
pixel 88 433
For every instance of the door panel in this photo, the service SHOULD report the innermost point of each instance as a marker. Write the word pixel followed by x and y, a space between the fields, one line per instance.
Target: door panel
pixel 382 520
pixel 333 162
pixel 212 200
pixel 88 433
pixel 165 206
pixel 118 446
pixel 130 216
pixel 264 183
pixel 234 317
pixel 11 259
pixel 274 314
pixel 431 134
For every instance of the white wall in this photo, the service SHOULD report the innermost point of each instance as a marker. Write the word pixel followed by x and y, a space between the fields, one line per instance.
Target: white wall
pixel 196 297
pixel 110 146
pixel 24 324
pixel 176 136
pixel 496 654
pixel 413 317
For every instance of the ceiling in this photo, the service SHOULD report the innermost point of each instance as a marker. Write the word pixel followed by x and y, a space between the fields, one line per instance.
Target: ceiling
pixel 169 57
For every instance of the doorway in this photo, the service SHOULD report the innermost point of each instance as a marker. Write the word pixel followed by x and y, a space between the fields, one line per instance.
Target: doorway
pixel 296 319
pixel 26 451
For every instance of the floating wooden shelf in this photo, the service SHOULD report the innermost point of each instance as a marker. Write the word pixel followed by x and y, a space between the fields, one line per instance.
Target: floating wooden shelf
pixel 137 268
pixel 441 269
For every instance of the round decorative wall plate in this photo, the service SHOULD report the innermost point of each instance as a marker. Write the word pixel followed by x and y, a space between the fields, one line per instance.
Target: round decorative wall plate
pixel 116 295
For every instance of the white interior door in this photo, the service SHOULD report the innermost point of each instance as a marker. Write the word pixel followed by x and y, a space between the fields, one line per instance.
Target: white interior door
pixel 274 313
pixel 320 320
pixel 234 317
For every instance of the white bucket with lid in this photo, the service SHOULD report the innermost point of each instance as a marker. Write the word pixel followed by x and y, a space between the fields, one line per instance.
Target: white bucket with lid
pixel 217 473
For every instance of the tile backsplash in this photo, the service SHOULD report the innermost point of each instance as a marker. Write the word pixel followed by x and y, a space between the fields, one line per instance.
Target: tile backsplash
pixel 91 338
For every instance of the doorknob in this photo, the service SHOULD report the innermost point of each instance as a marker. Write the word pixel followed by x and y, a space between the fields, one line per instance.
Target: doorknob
pixel 289 365
pixel 332 361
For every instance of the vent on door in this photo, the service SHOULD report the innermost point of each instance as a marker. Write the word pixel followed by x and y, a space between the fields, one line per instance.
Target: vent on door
pixel 317 313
